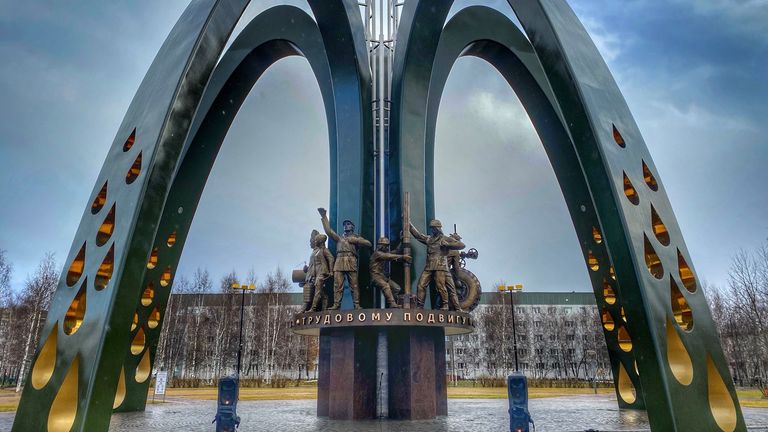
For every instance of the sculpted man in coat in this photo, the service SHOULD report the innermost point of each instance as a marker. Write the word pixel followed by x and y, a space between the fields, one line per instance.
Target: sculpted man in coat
pixel 309 281
pixel 321 263
pixel 346 260
pixel 379 278
pixel 436 268
pixel 452 279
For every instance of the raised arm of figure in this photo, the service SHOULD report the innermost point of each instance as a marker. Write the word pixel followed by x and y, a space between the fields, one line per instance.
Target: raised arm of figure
pixel 327 225
pixel 417 235
pixel 453 243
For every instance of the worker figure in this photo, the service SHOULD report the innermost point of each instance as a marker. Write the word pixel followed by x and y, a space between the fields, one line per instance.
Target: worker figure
pixel 346 260
pixel 436 268
pixel 309 283
pixel 322 266
pixel 452 278
pixel 379 278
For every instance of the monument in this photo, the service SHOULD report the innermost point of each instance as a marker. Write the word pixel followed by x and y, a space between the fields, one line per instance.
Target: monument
pixel 664 350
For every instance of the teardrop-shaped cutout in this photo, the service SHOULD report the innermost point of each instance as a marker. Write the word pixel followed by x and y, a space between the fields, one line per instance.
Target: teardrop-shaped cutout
pixel 154 318
pixel 76 268
pixel 42 371
pixel 152 261
pixel 138 342
pixel 171 239
pixel 76 312
pixel 630 192
pixel 627 390
pixel 596 235
pixel 637 371
pixel 135 322
pixel 659 229
pixel 148 295
pixel 677 356
pixel 144 368
pixel 104 274
pixel 607 320
pixel 64 406
pixel 107 228
pixel 623 315
pixel 608 294
pixel 120 392
pixel 650 180
pixel 686 274
pixel 680 308
pixel 618 138
pixel 165 279
pixel 652 260
pixel 592 262
pixel 612 273
pixel 130 141
pixel 625 342
pixel 100 200
pixel 720 401
pixel 134 171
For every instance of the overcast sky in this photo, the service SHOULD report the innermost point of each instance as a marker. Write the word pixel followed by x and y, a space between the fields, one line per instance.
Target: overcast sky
pixel 693 73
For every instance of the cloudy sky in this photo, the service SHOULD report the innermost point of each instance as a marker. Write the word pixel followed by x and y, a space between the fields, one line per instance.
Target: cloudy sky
pixel 693 73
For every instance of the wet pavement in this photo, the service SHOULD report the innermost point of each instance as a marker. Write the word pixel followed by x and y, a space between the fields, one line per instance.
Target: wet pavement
pixel 573 413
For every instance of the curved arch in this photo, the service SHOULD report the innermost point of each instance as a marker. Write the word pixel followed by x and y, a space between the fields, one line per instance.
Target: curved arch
pixel 166 126
pixel 487 34
pixel 605 153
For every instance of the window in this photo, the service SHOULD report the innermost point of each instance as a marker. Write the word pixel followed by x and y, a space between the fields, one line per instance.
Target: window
pixel 461 365
pixel 553 351
pixel 569 323
pixel 567 310
pixel 539 352
pixel 522 352
pixel 571 352
pixel 570 337
pixel 536 309
pixel 552 338
pixel 459 351
pixel 522 338
pixel 537 324
pixel 538 338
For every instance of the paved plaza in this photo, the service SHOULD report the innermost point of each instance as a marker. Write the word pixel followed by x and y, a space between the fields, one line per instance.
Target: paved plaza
pixel 573 413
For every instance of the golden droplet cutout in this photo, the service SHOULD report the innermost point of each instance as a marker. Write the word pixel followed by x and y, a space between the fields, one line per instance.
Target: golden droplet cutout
pixel 618 138
pixel 154 318
pixel 650 180
pixel 625 342
pixel 652 260
pixel 120 392
pixel 686 274
pixel 152 262
pixel 612 272
pixel 677 356
pixel 130 141
pixel 134 171
pixel 659 229
pixel 135 322
pixel 100 200
pixel 64 406
pixel 680 309
pixel 630 192
pixel 165 279
pixel 42 371
pixel 623 316
pixel 107 228
pixel 608 294
pixel 144 368
pixel 171 239
pixel 76 312
pixel 607 320
pixel 596 235
pixel 104 274
pixel 627 390
pixel 592 262
pixel 138 342
pixel 720 402
pixel 148 295
pixel 76 268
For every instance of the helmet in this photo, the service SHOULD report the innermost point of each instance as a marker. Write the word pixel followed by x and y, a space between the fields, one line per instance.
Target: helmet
pixel 383 241
pixel 320 239
pixel 434 223
pixel 347 221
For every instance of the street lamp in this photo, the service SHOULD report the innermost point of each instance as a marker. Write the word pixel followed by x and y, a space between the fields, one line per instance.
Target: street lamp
pixel 512 289
pixel 244 287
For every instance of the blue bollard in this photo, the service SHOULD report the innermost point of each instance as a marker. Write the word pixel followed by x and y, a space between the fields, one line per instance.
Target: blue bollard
pixel 517 390
pixel 226 413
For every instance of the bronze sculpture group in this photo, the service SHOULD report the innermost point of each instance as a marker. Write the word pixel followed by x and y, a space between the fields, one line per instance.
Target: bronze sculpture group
pixel 443 263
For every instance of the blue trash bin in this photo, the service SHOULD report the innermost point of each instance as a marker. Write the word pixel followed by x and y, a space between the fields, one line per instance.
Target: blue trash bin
pixel 226 413
pixel 517 390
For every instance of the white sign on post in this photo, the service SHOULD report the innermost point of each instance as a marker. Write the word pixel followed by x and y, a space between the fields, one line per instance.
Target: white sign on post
pixel 160 381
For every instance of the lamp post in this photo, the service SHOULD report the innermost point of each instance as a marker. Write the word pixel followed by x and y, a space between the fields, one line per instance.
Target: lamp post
pixel 244 287
pixel 512 289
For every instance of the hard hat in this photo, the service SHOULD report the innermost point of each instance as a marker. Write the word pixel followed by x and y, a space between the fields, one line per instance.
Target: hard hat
pixel 434 223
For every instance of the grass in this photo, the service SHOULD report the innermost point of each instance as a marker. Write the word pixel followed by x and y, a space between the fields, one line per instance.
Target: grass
pixel 9 399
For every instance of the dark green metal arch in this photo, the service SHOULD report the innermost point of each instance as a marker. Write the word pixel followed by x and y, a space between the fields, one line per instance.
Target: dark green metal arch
pixel 487 34
pixel 589 104
pixel 174 166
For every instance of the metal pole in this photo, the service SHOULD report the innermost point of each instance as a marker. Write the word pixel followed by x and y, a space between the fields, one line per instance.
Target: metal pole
pixel 240 348
pixel 514 329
